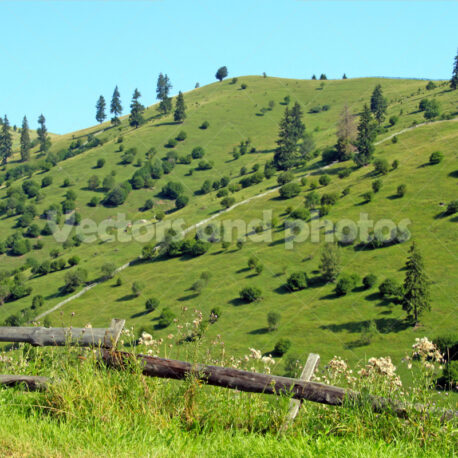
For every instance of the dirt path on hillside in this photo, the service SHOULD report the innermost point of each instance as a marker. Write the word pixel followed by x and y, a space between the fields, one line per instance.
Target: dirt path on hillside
pixel 217 215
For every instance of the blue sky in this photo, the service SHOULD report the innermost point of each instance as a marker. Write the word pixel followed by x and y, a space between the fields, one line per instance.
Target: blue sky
pixel 59 56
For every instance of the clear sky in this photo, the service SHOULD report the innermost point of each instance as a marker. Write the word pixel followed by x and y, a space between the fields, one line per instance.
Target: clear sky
pixel 57 57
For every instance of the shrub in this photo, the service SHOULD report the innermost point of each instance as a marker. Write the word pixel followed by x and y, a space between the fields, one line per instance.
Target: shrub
pixel 297 281
pixel 273 318
pixel 239 244
pixel 37 301
pixel 432 109
pixel 452 208
pixel 329 199
pixel 324 210
pixel 166 317
pixel 172 190
pixel 73 261
pixel 100 163
pixel 171 143
pixel 344 173
pixel 243 86
pixel 367 196
pixel 259 268
pixel 344 285
pixel 137 288
pixel 289 190
pixel 151 304
pixel 205 125
pixel 395 164
pixel 181 201
pixel 324 180
pixel 73 279
pixel 381 166
pixel 46 181
pixel 393 120
pixel 430 86
pixel 93 202
pixel 300 213
pixel 108 270
pixel 401 191
pixel 436 158
pixel 377 185
pixel 250 294
pixel 198 152
pixel 285 177
pixel 282 347
pixel 182 135
pixel 369 281
pixel 303 181
pixel 389 288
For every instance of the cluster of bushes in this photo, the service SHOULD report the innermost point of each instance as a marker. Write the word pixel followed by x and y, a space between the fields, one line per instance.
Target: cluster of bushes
pixel 118 195
pixel 297 281
pixel 254 178
pixel 346 283
pixel 430 108
pixel 255 264
pixel 187 247
pixel 209 185
pixel 319 108
pixel 289 190
pixel 243 148
pixel 12 290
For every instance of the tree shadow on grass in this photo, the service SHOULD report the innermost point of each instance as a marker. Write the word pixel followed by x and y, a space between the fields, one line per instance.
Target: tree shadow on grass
pixel 142 313
pixel 242 270
pixel 330 296
pixel 258 331
pixel 237 301
pixel 127 297
pixel 384 326
pixel 188 297
pixel 283 289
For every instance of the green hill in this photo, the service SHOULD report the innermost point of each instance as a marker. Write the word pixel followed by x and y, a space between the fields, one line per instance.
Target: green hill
pixel 314 319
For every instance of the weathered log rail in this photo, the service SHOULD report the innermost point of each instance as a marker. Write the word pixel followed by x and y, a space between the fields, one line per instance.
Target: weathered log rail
pixel 252 382
pixel 33 383
pixel 82 337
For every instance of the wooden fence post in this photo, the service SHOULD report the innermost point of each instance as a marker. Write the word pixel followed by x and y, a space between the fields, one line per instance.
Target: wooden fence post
pixel 309 369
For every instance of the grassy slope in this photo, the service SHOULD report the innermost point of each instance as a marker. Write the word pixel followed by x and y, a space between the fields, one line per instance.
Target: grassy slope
pixel 233 114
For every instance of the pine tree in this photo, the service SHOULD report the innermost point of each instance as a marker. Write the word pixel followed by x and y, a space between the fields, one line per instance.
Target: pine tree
pixel 180 109
pixel 292 129
pixel 162 93
pixel 221 73
pixel 313 77
pixel 346 135
pixel 42 132
pixel 100 115
pixel 6 141
pixel 454 80
pixel 378 104
pixel 116 107
pixel 365 138
pixel 136 110
pixel 25 140
pixel 344 77
pixel 415 298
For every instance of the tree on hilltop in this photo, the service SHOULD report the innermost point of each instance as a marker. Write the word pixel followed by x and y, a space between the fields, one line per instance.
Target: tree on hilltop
pixel 42 132
pixel 100 115
pixel 25 140
pixel 162 93
pixel 136 110
pixel 115 107
pixel 180 108
pixel 221 73
pixel 6 141
pixel 454 79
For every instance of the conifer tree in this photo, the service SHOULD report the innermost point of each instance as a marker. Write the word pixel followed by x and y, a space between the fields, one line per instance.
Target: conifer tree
pixel 415 299
pixel 365 138
pixel 346 135
pixel 292 129
pixel 42 132
pixel 180 109
pixel 100 115
pixel 116 107
pixel 344 77
pixel 136 110
pixel 162 93
pixel 25 140
pixel 6 142
pixel 313 77
pixel 454 79
pixel 378 104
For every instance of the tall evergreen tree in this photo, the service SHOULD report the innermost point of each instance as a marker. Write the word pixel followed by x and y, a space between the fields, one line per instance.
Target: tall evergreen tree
pixel 25 140
pixel 136 110
pixel 162 93
pixel 100 106
pixel 115 107
pixel 379 104
pixel 365 138
pixel 415 298
pixel 180 108
pixel 42 132
pixel 454 79
pixel 346 135
pixel 292 129
pixel 6 141
pixel 344 77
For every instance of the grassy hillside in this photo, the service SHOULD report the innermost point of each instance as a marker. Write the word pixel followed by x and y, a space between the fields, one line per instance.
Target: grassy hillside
pixel 314 319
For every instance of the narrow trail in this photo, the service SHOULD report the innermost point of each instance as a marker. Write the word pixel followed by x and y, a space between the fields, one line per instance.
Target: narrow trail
pixel 217 215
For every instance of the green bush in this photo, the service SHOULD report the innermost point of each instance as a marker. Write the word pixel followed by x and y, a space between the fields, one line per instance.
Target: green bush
pixel 151 304
pixel 452 208
pixel 46 181
pixel 389 288
pixel 381 166
pixel 181 201
pixel 297 281
pixel 250 294
pixel 273 318
pixel 198 152
pixel 285 177
pixel 401 191
pixel 205 125
pixel 172 190
pixel 368 196
pixel 289 190
pixel 345 284
pixel 369 281
pixel 377 185
pixel 182 135
pixel 171 143
pixel 282 347
pixel 436 158
pixel 166 318
pixel 300 213
pixel 324 180
pixel 137 288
